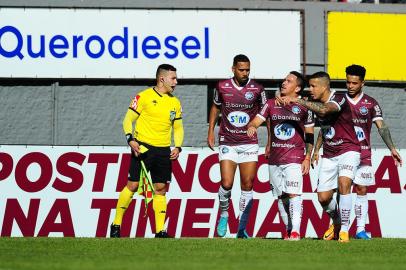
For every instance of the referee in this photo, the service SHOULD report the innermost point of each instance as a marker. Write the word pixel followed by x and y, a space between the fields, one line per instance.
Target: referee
pixel 155 112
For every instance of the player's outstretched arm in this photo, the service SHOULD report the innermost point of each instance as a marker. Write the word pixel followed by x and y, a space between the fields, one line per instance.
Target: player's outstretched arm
pixel 321 109
pixel 383 130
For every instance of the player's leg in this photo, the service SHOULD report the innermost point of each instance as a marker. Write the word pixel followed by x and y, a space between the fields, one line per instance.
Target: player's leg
pixel 293 188
pixel 326 186
pixel 160 167
pixel 126 196
pixel 159 206
pixel 276 175
pixel 228 164
pixel 248 171
pixel 227 170
pixel 247 159
pixel 348 164
pixel 364 177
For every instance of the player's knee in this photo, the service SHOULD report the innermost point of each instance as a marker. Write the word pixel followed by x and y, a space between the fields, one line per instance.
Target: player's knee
pixel 361 190
pixel 226 184
pixel 324 199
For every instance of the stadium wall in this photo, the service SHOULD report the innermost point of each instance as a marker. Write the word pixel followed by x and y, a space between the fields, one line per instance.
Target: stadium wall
pixel 72 191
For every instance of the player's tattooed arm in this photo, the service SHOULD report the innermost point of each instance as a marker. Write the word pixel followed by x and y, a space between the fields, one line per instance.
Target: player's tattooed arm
pixel 383 130
pixel 319 108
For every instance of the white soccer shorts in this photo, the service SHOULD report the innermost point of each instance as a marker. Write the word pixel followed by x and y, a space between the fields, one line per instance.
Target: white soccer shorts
pixel 286 178
pixel 331 168
pixel 364 176
pixel 239 153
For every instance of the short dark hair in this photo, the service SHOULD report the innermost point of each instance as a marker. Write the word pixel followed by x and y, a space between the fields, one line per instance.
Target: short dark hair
pixel 299 79
pixel 320 74
pixel 356 70
pixel 164 67
pixel 240 58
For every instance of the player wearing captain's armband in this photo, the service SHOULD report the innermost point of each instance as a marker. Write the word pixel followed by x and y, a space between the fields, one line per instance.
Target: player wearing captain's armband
pixel 239 99
pixel 291 143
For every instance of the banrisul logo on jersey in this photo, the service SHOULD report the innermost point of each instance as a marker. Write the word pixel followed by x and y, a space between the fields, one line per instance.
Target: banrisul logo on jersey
pixel 238 118
pixel 360 133
pixel 284 131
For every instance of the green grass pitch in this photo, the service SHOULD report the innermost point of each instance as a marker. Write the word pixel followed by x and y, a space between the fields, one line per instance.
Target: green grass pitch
pixel 192 253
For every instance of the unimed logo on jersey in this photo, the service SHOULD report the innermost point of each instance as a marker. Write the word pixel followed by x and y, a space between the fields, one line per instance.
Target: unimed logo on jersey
pixel 284 131
pixel 238 118
pixel 360 133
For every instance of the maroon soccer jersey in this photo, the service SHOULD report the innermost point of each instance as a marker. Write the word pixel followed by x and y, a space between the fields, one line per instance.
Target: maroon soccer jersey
pixel 365 110
pixel 238 106
pixel 338 129
pixel 287 131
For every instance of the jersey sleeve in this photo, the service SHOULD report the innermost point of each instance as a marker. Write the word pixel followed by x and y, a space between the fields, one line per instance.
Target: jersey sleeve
pixel 338 100
pixel 216 95
pixel 264 112
pixel 137 104
pixel 376 112
pixel 262 97
pixel 179 111
pixel 309 122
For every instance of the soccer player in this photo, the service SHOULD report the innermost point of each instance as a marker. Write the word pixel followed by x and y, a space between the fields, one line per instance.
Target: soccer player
pixel 155 112
pixel 366 111
pixel 239 99
pixel 292 136
pixel 341 155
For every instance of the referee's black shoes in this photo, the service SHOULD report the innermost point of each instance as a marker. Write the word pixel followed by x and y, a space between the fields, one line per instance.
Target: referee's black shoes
pixel 162 234
pixel 114 231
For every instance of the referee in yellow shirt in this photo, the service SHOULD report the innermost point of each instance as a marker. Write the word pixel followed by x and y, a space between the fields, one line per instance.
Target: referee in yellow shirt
pixel 155 112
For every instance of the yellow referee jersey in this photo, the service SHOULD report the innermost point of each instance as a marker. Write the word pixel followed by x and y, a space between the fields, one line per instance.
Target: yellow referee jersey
pixel 155 115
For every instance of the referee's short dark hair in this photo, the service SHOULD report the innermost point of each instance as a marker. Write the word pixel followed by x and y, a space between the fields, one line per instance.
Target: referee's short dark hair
pixel 299 79
pixel 240 58
pixel 356 70
pixel 164 67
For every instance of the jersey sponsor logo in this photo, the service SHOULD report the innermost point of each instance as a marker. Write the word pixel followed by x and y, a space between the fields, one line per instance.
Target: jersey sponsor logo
pixel 134 103
pixel 360 133
pixel 295 109
pixel 363 110
pixel 284 131
pixel 329 133
pixel 249 95
pixel 238 118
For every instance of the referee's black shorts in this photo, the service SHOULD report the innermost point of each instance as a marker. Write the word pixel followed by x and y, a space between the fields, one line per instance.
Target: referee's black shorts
pixel 157 162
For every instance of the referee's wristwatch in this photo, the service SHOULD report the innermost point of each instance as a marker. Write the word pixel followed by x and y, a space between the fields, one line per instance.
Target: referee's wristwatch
pixel 179 148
